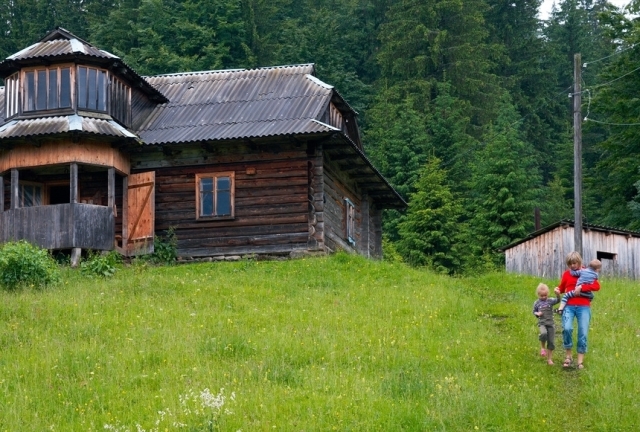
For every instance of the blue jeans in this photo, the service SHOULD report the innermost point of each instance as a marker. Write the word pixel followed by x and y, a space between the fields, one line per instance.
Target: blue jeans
pixel 583 315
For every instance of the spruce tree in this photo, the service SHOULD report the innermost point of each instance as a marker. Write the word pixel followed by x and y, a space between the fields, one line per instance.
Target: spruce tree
pixel 430 233
pixel 505 182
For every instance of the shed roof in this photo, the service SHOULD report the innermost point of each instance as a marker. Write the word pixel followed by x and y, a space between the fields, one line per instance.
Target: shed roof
pixel 571 223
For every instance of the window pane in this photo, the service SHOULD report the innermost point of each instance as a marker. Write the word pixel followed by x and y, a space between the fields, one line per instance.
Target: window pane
pixel 82 87
pixel 37 195
pixel 206 184
pixel 30 90
pixel 102 91
pixel 41 93
pixel 53 89
pixel 92 88
pixel 224 183
pixel 27 196
pixel 65 88
pixel 224 203
pixel 206 204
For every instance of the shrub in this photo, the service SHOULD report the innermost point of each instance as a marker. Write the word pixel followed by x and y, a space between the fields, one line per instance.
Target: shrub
pixel 165 249
pixel 23 264
pixel 99 264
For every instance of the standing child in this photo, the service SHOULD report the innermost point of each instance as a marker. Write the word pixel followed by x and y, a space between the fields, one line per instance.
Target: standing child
pixel 543 309
pixel 586 276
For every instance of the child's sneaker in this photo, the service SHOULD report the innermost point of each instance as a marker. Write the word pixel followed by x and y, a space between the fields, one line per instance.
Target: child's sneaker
pixel 543 352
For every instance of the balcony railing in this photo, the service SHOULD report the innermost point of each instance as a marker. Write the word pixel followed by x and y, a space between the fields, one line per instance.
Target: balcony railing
pixel 60 226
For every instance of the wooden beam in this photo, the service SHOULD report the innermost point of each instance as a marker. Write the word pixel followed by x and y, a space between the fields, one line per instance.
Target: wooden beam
pixel 111 188
pixel 2 192
pixel 14 189
pixel 73 183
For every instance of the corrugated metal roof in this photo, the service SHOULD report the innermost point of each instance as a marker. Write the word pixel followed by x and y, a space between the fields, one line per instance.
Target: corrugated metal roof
pixel 62 124
pixel 237 104
pixel 61 45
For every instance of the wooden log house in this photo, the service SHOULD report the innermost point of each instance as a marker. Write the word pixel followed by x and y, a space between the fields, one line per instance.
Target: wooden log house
pixel 262 161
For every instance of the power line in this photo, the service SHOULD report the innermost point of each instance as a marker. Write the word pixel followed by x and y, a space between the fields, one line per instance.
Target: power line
pixel 615 79
pixel 611 124
pixel 610 55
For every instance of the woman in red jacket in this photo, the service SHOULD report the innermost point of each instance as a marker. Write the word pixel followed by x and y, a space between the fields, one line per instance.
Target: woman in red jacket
pixel 577 307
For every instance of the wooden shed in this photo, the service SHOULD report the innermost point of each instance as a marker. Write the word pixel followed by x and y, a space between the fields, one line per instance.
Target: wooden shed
pixel 264 161
pixel 543 252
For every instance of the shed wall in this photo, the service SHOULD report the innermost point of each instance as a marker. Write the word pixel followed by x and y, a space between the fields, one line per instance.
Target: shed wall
pixel 544 255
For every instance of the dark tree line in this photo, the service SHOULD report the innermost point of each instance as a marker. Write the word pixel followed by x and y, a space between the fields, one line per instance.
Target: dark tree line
pixel 463 104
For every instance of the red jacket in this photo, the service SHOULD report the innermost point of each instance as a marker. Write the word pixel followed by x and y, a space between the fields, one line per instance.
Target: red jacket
pixel 568 283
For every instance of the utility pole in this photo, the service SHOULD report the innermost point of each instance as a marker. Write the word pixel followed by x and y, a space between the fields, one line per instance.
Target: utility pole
pixel 577 152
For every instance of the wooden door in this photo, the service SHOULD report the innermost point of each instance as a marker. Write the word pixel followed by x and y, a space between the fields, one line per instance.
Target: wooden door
pixel 140 214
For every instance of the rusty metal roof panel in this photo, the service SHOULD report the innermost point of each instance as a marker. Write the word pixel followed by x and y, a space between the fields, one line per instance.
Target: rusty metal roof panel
pixel 62 124
pixel 236 104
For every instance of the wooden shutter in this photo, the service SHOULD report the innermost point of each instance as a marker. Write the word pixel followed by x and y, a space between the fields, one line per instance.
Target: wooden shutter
pixel 140 217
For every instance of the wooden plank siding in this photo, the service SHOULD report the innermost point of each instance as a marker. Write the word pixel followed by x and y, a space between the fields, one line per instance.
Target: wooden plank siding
pixel 271 197
pixel 61 226
pixel 64 152
pixel 545 254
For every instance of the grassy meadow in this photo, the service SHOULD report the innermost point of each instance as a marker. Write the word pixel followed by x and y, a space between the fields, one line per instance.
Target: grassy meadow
pixel 330 343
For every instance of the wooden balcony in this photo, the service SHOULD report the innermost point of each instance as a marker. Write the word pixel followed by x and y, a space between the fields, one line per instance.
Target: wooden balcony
pixel 60 226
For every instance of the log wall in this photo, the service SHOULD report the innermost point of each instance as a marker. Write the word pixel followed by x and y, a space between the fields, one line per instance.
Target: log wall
pixel 545 254
pixel 337 187
pixel 271 196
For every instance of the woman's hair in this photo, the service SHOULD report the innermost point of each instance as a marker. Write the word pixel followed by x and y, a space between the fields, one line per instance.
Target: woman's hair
pixel 574 258
pixel 542 288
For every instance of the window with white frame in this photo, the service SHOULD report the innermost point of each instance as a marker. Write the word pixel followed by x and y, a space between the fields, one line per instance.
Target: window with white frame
pixel 215 193
pixel 350 219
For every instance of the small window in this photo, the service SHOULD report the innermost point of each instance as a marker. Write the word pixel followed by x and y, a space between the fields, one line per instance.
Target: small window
pixel 120 105
pixel 46 89
pixel 92 89
pixel 30 194
pixel 605 255
pixel 215 195
pixel 11 95
pixel 350 218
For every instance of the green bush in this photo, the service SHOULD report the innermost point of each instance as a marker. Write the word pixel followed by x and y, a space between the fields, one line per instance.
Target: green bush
pixel 165 249
pixel 23 264
pixel 99 264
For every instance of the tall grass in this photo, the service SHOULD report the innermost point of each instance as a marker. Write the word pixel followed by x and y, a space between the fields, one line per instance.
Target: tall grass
pixel 334 343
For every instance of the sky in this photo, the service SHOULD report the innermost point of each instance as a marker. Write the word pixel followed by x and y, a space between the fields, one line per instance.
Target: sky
pixel 545 9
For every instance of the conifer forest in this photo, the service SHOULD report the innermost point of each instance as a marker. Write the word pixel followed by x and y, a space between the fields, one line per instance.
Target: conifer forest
pixel 465 106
